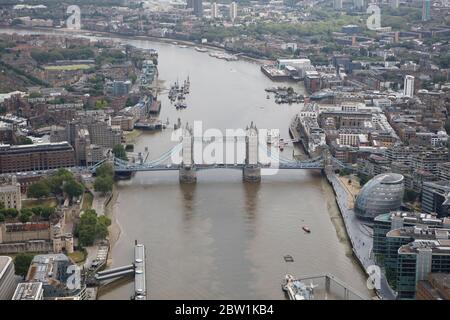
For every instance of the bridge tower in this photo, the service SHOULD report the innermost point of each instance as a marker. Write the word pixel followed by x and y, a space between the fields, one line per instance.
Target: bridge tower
pixel 252 168
pixel 187 171
pixel 327 161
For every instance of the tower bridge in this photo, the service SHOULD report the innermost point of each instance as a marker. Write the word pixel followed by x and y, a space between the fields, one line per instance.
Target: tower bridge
pixel 257 157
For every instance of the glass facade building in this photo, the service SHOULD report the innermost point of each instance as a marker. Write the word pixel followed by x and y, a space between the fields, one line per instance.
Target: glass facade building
pixel 395 229
pixel 382 194
pixel 417 260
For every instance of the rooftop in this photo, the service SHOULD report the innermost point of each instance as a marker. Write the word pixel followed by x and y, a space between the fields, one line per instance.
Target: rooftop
pixel 46 268
pixel 420 233
pixel 28 291
pixel 413 218
pixel 438 247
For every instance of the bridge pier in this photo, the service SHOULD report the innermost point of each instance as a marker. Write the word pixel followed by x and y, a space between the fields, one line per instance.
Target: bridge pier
pixel 251 174
pixel 188 174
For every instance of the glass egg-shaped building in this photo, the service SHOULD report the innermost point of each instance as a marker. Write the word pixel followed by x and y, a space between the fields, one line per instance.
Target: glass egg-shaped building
pixel 381 194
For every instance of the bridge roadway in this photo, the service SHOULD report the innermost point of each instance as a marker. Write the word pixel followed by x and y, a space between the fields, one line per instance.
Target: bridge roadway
pixel 240 166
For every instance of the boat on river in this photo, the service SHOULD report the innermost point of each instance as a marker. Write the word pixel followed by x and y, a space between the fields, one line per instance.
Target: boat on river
pixel 297 289
pixel 201 49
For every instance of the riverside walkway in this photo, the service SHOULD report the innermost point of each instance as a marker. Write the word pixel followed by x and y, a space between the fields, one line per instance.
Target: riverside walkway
pixel 359 234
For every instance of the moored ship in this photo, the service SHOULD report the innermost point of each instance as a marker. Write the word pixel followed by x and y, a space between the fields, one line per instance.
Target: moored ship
pixel 296 289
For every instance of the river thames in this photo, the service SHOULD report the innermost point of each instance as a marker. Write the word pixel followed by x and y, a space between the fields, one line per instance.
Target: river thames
pixel 222 238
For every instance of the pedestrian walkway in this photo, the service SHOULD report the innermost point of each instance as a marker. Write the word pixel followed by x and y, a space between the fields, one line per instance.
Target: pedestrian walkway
pixel 360 234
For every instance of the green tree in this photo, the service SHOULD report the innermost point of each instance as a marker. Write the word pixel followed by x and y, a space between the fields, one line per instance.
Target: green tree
pixel 2 217
pixel 91 227
pixel 73 188
pixel 22 263
pixel 119 152
pixel 104 220
pixel 103 184
pixel 47 212
pixel 24 218
pixel 38 189
pixel 105 169
pixel 11 213
pixel 57 180
pixel 24 140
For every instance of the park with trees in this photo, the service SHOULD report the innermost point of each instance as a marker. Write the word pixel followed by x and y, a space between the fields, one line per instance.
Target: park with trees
pixel 61 183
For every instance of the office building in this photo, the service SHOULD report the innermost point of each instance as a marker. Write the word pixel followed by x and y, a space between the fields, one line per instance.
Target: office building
pixel 10 194
pixel 387 244
pixel 214 10
pixel 104 135
pixel 417 260
pixel 408 87
pixel 426 10
pixel 29 291
pixel 51 271
pixel 8 280
pixel 384 223
pixel 233 11
pixel 428 158
pixel 121 88
pixel 383 193
pixel 435 197
pixel 34 157
pixel 443 171
pixel 198 8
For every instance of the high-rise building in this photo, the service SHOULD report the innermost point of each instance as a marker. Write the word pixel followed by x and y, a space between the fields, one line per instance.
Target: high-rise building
pixel 190 4
pixel 214 10
pixel 233 11
pixel 337 4
pixel 395 3
pixel 358 4
pixel 408 90
pixel 426 10
pixel 198 8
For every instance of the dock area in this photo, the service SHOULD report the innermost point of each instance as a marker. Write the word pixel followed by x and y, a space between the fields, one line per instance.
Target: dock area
pixel 274 73
pixel 155 107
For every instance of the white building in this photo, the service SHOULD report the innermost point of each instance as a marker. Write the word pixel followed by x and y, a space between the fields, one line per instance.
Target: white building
pixel 408 90
pixel 301 65
pixel 233 11
pixel 214 10
pixel 10 194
